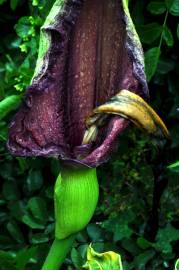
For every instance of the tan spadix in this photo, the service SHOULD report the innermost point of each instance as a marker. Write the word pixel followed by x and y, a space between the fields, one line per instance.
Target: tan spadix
pixel 128 105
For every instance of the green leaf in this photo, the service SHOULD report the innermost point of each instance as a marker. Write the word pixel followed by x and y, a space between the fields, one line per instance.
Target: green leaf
pixel 18 210
pixel 23 164
pixel 169 3
pixel 34 180
pixel 49 228
pixel 70 268
pixel 141 260
pixel 174 167
pixel 98 246
pixel 143 243
pixel 6 257
pixel 15 232
pixel 11 191
pixel 165 65
pixel 150 32
pixel 35 2
pixel 165 237
pixel 131 246
pixel 38 208
pixel 7 261
pixel 2 202
pixel 6 242
pixel 32 222
pixel 8 104
pixel 22 27
pixel 178 30
pixel 76 258
pixel 156 7
pixel 94 232
pixel 39 238
pixel 151 62
pixel 83 250
pixel 14 4
pixel 119 226
pixel 1 92
pixel 2 1
pixel 24 257
pixel 177 265
pixel 174 10
pixel 173 6
pixel 167 36
pixel 82 237
pixel 122 231
pixel 102 261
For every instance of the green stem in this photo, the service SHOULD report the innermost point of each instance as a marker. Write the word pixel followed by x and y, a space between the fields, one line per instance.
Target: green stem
pixel 57 253
pixel 76 195
pixel 164 23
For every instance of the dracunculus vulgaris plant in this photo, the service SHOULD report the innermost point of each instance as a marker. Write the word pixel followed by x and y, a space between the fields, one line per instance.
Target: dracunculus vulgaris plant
pixel 89 84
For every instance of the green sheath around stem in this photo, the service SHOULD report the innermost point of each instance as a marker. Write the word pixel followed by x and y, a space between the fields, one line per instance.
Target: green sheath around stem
pixel 76 197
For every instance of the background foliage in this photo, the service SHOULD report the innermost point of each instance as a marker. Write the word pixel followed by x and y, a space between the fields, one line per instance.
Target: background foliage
pixel 128 218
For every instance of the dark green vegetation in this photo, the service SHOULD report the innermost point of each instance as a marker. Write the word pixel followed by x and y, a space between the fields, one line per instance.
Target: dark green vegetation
pixel 128 219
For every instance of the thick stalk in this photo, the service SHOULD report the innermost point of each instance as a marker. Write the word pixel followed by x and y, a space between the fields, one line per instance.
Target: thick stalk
pixel 57 253
pixel 76 196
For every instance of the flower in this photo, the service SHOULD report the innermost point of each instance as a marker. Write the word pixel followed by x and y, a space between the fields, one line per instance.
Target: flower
pixel 89 51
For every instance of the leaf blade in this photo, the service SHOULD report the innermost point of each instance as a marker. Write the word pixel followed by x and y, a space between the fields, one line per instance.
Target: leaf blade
pixel 156 8
pixel 151 62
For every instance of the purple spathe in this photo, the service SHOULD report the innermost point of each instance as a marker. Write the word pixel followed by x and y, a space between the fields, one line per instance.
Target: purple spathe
pixel 89 60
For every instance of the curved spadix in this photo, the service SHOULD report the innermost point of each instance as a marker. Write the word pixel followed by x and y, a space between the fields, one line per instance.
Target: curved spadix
pixel 130 106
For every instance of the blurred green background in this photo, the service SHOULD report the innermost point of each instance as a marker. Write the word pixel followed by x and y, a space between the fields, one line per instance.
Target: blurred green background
pixel 137 214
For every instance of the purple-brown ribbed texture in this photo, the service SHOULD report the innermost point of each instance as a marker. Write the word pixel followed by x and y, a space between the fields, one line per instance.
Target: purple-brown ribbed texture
pixel 87 64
